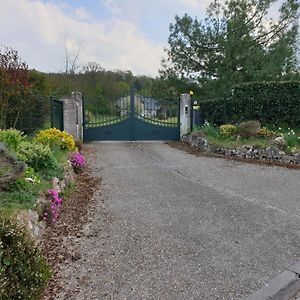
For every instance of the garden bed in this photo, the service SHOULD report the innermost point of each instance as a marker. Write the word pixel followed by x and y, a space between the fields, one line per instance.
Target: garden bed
pixel 247 141
pixel 183 146
pixel 37 174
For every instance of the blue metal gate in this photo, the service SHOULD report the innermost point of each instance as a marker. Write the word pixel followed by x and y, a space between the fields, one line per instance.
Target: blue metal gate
pixel 134 117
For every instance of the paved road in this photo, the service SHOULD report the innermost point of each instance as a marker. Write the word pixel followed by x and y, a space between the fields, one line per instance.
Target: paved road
pixel 178 226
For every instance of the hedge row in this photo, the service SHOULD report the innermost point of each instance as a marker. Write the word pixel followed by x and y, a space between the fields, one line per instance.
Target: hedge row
pixel 276 103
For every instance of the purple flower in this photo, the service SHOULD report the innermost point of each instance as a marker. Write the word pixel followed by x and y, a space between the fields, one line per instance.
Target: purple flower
pixel 51 210
pixel 77 161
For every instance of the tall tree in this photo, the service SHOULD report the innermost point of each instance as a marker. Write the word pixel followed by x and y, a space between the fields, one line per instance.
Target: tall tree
pixel 236 42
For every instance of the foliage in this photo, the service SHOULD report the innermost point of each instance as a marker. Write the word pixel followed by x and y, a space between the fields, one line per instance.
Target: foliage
pixel 23 93
pixel 232 143
pixel 266 133
pixel 26 181
pixel 248 129
pixel 51 208
pixel 23 270
pixel 291 138
pixel 210 129
pixel 22 192
pixel 11 138
pixel 227 130
pixel 54 136
pixel 236 42
pixel 272 103
pixel 98 83
pixel 15 97
pixel 36 155
pixel 17 199
pixel 77 161
pixel 32 176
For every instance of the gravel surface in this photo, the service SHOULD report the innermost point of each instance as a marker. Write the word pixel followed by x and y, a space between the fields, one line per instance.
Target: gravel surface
pixel 171 225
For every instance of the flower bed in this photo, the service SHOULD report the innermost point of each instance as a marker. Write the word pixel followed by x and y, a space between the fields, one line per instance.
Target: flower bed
pixel 32 194
pixel 248 141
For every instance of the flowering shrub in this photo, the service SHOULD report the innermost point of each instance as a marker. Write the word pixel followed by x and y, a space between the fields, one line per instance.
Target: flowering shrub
pixel 77 161
pixel 23 270
pixel 51 209
pixel 54 136
pixel 265 133
pixel 227 130
pixel 36 155
pixel 11 138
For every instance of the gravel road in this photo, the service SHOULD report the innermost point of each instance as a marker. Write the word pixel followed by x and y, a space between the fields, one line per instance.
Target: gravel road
pixel 170 225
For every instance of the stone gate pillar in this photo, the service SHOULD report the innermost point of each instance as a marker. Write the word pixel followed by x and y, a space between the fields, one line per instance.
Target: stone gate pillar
pixel 185 114
pixel 73 115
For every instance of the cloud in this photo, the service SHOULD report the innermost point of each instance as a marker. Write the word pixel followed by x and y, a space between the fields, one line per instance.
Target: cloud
pixel 197 4
pixel 112 6
pixel 39 31
pixel 81 14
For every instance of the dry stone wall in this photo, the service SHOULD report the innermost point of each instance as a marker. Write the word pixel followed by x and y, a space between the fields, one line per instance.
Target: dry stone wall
pixel 246 151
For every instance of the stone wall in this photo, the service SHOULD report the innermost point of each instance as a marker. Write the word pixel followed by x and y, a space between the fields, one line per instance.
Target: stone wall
pixel 73 117
pixel 246 151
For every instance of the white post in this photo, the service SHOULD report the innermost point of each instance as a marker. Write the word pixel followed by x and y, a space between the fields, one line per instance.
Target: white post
pixel 185 114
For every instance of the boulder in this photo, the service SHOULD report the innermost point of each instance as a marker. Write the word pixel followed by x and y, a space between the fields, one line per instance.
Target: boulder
pixel 280 143
pixel 10 169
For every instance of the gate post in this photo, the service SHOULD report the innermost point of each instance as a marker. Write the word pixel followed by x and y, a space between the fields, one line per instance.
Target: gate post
pixel 185 114
pixel 73 115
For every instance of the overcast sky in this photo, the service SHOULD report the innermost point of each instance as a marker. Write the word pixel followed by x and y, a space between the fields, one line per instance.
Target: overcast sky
pixel 118 34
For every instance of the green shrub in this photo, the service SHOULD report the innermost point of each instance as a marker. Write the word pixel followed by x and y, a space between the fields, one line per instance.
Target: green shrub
pixel 228 130
pixel 23 270
pixel 210 130
pixel 11 138
pixel 291 138
pixel 17 199
pixel 248 129
pixel 36 155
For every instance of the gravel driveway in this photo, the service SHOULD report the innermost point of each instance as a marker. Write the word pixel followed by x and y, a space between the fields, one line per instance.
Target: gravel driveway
pixel 170 225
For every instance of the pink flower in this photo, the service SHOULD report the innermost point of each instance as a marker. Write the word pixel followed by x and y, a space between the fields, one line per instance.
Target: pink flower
pixel 51 210
pixel 77 161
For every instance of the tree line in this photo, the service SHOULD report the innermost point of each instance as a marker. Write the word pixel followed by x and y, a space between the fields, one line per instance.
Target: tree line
pixel 236 42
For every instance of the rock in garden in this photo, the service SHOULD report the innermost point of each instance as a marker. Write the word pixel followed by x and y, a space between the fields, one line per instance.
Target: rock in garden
pixel 11 168
pixel 280 142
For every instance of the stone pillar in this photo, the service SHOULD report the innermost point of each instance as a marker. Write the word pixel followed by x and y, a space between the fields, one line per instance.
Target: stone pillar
pixel 185 114
pixel 73 117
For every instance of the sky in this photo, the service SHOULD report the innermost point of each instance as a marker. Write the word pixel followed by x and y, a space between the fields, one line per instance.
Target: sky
pixel 117 34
